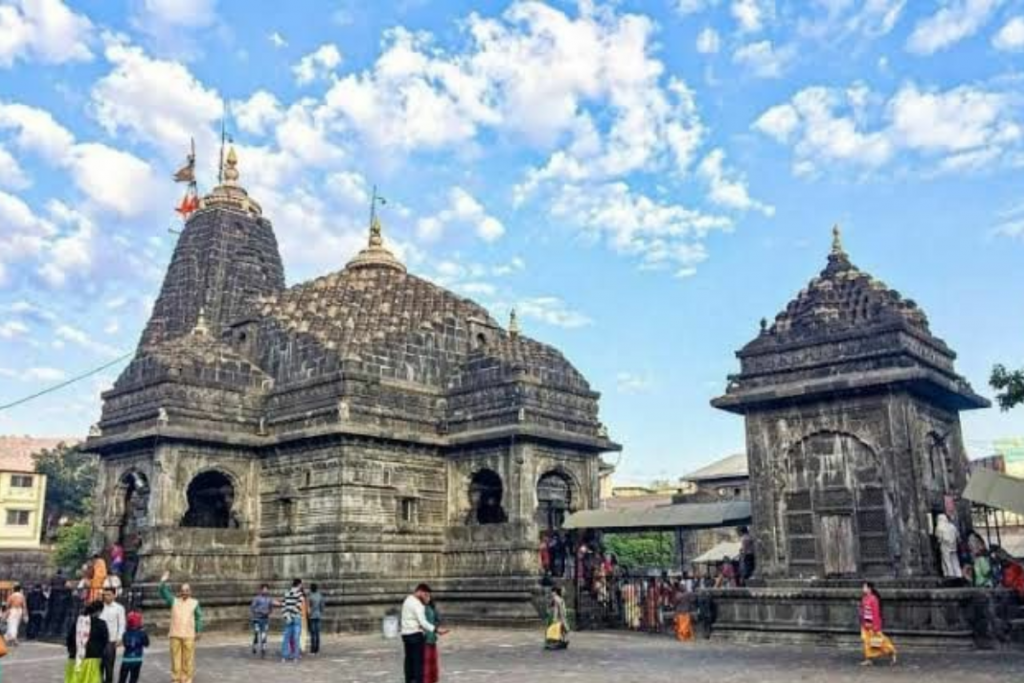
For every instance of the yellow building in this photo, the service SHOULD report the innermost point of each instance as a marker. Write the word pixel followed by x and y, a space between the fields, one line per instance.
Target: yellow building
pixel 22 493
pixel 21 509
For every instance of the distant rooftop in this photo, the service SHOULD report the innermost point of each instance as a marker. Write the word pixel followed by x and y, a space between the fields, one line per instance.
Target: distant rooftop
pixel 16 451
pixel 727 468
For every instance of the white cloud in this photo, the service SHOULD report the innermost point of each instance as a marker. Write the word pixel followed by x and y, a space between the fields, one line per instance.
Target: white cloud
pixel 257 114
pixel 763 59
pixel 779 122
pixel 318 64
pixel 166 115
pixel 662 235
pixel 12 176
pixel 11 329
pixel 727 188
pixel 633 383
pixel 955 120
pixel 71 252
pixel 1011 36
pixel 551 311
pixel 752 15
pixel 685 7
pixel 181 13
pixel 36 374
pixel 956 20
pixel 43 375
pixel 845 18
pixel 462 210
pixel 24 235
pixel 43 30
pixel 80 338
pixel 115 180
pixel 349 187
pixel 36 131
pixel 277 40
pixel 956 129
pixel 708 41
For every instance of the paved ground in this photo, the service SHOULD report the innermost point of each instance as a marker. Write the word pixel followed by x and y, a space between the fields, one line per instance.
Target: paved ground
pixel 516 657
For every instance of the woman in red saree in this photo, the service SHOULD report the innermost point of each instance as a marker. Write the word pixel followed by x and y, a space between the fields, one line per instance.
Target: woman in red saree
pixel 876 643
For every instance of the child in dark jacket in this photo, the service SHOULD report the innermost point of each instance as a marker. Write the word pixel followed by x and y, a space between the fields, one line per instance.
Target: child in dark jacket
pixel 136 640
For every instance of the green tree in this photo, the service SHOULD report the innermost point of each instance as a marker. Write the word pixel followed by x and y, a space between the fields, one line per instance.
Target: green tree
pixel 649 549
pixel 1009 384
pixel 72 549
pixel 70 478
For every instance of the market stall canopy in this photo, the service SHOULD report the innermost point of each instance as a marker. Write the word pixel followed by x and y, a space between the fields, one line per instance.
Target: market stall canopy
pixel 996 490
pixel 728 549
pixel 683 515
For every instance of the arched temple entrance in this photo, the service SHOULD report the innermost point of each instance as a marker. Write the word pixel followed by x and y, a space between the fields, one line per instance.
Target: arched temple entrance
pixel 485 497
pixel 554 500
pixel 211 496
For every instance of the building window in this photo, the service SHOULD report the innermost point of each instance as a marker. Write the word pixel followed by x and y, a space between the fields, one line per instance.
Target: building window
pixel 407 511
pixel 21 481
pixel 485 493
pixel 18 517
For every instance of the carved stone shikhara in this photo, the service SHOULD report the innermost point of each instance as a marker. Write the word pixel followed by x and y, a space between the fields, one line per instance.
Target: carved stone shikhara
pixel 345 419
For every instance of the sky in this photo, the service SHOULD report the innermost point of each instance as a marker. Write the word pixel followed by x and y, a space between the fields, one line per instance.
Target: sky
pixel 642 181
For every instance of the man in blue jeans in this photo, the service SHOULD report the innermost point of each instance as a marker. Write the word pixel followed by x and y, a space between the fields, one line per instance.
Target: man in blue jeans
pixel 259 613
pixel 291 610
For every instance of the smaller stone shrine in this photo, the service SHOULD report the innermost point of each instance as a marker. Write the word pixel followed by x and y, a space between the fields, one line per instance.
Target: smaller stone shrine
pixel 854 445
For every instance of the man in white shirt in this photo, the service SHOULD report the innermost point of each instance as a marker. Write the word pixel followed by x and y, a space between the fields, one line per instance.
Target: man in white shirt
pixel 113 616
pixel 414 625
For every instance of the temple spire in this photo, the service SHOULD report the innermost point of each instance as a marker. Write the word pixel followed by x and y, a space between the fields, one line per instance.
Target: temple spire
pixel 513 323
pixel 376 255
pixel 837 240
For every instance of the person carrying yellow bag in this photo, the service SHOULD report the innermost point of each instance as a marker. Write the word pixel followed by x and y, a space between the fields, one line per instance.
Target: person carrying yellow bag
pixel 876 643
pixel 557 634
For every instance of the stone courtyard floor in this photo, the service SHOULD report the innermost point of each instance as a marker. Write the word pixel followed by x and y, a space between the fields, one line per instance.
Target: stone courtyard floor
pixel 472 655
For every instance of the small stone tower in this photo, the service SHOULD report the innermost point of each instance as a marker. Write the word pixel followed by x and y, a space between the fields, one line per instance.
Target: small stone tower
pixel 853 430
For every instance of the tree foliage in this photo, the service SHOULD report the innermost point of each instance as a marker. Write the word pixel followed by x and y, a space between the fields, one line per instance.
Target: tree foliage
pixel 70 478
pixel 650 549
pixel 1009 384
pixel 72 548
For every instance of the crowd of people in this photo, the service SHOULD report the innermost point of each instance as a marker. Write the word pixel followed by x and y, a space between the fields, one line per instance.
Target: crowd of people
pixel 973 561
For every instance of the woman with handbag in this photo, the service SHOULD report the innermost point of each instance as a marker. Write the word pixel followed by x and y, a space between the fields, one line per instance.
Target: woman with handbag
pixel 876 643
pixel 557 635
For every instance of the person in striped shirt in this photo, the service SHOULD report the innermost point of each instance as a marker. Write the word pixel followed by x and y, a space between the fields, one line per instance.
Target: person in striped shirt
pixel 291 610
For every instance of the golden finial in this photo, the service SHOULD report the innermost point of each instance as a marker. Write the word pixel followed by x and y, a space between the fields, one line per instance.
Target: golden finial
pixel 231 167
pixel 513 323
pixel 376 239
pixel 837 239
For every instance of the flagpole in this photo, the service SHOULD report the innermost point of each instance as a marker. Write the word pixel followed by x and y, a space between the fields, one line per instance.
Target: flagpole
pixel 220 167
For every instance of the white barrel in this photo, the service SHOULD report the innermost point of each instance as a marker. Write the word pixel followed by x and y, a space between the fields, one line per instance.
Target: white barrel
pixel 389 626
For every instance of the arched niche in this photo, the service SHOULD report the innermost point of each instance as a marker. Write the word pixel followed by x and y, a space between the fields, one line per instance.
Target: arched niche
pixel 211 499
pixel 133 490
pixel 486 493
pixel 554 499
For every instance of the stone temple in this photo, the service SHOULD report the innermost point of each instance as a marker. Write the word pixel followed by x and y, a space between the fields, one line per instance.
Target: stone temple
pixel 854 445
pixel 366 430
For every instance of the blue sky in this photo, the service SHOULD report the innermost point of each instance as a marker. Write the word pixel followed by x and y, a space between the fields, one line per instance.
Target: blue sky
pixel 644 181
